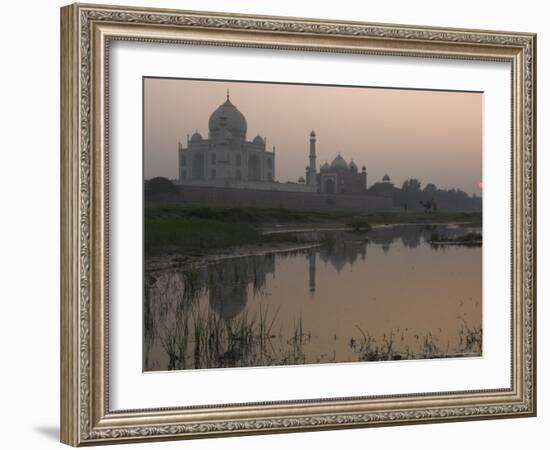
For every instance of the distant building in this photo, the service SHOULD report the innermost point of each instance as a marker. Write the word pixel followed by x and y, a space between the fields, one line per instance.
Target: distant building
pixel 226 159
pixel 339 177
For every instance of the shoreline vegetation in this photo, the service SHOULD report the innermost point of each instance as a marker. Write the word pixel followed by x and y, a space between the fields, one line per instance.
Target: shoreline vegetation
pixel 199 232
pixel 181 332
pixel 198 338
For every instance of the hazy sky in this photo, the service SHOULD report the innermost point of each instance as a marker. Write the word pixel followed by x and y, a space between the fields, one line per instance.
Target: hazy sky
pixel 433 136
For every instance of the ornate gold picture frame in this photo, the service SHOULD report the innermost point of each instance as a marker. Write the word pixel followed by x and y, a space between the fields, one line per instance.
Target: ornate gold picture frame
pixel 87 32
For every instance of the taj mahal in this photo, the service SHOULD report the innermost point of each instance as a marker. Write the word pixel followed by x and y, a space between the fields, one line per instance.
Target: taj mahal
pixel 227 159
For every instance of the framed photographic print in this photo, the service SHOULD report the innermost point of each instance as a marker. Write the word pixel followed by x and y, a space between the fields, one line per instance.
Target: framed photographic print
pixel 274 224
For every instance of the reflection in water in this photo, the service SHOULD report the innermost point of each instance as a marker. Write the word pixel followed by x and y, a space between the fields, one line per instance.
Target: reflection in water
pixel 385 295
pixel 312 257
pixel 228 282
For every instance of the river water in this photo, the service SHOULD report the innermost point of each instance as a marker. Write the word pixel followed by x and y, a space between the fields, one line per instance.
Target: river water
pixel 386 295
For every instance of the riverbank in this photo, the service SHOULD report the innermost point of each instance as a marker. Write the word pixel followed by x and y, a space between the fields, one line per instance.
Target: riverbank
pixel 200 231
pixel 175 261
pixel 469 239
pixel 322 292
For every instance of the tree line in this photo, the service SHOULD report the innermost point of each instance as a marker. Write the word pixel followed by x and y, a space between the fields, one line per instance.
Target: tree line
pixel 431 198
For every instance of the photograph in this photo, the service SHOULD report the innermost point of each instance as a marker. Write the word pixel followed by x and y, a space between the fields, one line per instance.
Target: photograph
pixel 288 224
pixel 291 220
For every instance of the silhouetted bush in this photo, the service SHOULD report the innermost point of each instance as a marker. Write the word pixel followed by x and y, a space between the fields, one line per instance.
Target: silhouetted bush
pixel 160 185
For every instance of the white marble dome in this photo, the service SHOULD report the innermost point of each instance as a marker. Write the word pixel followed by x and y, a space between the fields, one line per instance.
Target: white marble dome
pixel 234 120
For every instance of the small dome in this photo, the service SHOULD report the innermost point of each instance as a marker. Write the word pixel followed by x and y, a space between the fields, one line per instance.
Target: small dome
pixel 353 166
pixel 325 166
pixel 386 178
pixel 301 180
pixel 229 117
pixel 364 168
pixel 258 140
pixel 339 163
pixel 196 137
pixel 312 134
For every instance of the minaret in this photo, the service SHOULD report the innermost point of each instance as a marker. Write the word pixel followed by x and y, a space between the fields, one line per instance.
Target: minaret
pixel 180 160
pixel 312 178
pixel 312 269
pixel 273 169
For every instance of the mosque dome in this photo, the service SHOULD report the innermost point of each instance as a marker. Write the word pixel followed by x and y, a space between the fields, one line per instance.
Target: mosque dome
pixel 386 178
pixel 339 163
pixel 258 140
pixel 325 166
pixel 196 137
pixel 353 166
pixel 228 116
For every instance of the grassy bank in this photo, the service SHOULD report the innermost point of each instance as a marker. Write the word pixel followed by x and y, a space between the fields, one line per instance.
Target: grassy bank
pixel 279 215
pixel 243 215
pixel 173 234
pixel 184 230
pixel 195 230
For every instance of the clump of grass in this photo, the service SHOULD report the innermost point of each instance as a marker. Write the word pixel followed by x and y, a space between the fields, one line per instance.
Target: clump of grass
pixel 205 340
pixel 368 349
pixel 360 224
pixel 392 345
pixel 471 338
